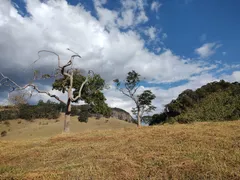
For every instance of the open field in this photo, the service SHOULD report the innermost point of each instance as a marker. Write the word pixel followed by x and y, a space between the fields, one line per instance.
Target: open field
pixel 43 128
pixel 208 150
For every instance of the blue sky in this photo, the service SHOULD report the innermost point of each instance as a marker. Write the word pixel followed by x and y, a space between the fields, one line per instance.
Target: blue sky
pixel 174 44
pixel 186 21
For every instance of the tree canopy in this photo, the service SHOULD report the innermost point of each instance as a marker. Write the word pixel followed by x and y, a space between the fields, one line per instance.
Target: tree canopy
pixel 142 101
pixel 91 92
pixel 214 101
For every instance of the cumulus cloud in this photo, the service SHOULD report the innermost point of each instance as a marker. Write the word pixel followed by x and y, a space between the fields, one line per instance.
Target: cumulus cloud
pixel 104 47
pixel 207 49
pixel 163 96
pixel 151 32
pixel 234 77
pixel 155 6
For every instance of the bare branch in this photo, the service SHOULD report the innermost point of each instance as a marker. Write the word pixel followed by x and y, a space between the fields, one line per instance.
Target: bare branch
pixel 8 79
pixel 80 90
pixel 74 52
pixel 59 65
pixel 17 87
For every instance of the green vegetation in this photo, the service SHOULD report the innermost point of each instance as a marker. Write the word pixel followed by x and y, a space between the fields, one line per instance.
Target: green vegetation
pixel 91 92
pixel 216 101
pixel 49 110
pixel 8 114
pixel 143 101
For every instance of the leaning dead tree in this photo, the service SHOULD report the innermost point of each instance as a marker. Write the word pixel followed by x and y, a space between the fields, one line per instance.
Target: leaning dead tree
pixel 66 71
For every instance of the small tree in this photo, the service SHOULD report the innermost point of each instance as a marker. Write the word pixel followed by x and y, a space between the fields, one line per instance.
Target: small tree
pixel 67 73
pixel 142 101
pixel 19 98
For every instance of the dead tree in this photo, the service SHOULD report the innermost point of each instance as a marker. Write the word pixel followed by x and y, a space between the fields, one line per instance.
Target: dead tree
pixel 7 82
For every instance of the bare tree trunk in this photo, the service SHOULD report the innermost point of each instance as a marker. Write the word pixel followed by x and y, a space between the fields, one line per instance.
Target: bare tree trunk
pixel 138 118
pixel 67 116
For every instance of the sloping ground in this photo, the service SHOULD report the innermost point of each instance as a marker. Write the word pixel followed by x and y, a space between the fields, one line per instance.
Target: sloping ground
pixel 22 129
pixel 193 151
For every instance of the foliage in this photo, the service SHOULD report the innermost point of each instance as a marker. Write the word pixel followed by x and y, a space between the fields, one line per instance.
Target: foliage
pixel 142 101
pixel 216 101
pixel 158 119
pixel 91 92
pixel 147 119
pixel 83 115
pixel 48 110
pixel 9 114
pixel 145 103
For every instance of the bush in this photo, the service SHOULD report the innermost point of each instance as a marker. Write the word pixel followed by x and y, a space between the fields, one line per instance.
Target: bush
pixel 9 114
pixel 3 133
pixel 7 123
pixel 49 111
pixel 83 117
pixel 216 101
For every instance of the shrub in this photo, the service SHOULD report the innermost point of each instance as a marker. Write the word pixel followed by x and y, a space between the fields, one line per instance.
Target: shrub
pixel 7 123
pixel 9 114
pixel 49 111
pixel 83 114
pixel 83 117
pixel 3 133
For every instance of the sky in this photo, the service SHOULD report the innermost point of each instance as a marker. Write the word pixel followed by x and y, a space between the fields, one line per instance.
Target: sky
pixel 173 44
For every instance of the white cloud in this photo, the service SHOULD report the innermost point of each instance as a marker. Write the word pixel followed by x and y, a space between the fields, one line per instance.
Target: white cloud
pixel 155 6
pixel 224 53
pixel 132 13
pixel 207 49
pixel 163 96
pixel 56 25
pixel 151 32
pixel 100 2
pixel 236 76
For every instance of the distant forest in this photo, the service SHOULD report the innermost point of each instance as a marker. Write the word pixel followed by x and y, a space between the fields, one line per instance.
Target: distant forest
pixel 216 101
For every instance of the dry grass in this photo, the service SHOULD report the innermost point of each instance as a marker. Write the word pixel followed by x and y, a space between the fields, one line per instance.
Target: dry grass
pixel 44 128
pixel 194 151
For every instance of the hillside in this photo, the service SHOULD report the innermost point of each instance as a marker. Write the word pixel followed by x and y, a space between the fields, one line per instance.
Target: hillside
pixel 194 151
pixel 22 129
pixel 216 101
pixel 121 114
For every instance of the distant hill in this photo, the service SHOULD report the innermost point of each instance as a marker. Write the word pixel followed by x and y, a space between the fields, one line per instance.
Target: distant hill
pixel 121 114
pixel 117 113
pixel 216 101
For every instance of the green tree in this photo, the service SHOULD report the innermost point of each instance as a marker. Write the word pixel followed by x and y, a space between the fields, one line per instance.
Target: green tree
pixel 142 101
pixel 91 92
pixel 77 87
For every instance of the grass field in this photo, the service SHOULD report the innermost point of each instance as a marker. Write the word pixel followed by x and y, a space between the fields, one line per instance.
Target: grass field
pixel 44 128
pixel 195 151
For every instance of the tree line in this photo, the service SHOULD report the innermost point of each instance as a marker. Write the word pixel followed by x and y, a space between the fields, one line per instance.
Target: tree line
pixel 203 104
pixel 215 101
